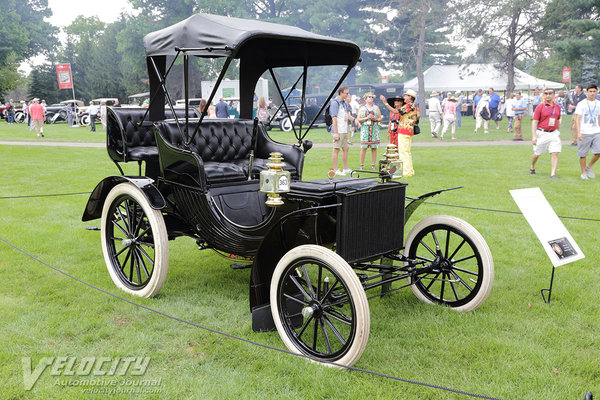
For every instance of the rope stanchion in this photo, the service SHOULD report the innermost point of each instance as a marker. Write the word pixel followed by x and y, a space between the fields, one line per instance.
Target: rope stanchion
pixel 178 319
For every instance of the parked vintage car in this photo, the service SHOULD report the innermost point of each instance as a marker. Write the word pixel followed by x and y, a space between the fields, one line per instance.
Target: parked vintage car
pixel 312 105
pixel 314 247
pixel 56 112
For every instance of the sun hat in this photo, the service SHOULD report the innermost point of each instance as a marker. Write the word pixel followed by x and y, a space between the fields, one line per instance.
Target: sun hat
pixel 434 93
pixel 391 100
pixel 411 93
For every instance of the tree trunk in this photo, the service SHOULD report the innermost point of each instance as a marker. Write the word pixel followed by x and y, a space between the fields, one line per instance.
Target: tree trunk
pixel 420 51
pixel 511 50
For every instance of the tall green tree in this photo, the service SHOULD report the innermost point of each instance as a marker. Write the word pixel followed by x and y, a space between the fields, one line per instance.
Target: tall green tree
pixel 23 34
pixel 43 84
pixel 504 31
pixel 572 32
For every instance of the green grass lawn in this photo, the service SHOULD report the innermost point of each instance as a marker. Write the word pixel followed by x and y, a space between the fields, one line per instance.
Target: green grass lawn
pixel 514 346
pixel 58 132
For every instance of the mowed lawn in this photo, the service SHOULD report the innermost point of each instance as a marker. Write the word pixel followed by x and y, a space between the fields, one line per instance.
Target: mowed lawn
pixel 513 347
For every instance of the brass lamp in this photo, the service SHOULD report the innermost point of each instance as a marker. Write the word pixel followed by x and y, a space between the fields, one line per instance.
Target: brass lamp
pixel 275 180
pixel 391 164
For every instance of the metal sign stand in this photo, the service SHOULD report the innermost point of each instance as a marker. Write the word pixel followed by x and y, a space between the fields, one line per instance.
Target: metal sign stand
pixel 549 290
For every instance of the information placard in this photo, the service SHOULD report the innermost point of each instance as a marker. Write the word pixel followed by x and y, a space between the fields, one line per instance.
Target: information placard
pixel 555 239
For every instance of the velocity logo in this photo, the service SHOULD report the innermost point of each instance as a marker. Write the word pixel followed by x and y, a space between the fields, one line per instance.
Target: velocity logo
pixel 72 367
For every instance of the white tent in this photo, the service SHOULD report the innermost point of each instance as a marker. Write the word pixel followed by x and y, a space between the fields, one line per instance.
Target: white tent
pixel 470 77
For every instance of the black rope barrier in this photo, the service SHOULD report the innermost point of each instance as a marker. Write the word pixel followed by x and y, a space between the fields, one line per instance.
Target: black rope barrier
pixel 425 202
pixel 505 211
pixel 366 371
pixel 43 195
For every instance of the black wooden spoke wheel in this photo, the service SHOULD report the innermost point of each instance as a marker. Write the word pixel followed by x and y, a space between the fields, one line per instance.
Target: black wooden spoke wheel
pixel 319 305
pixel 458 269
pixel 134 241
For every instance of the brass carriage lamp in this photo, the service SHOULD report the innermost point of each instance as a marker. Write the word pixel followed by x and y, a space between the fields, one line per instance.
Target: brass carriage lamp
pixel 275 180
pixel 391 164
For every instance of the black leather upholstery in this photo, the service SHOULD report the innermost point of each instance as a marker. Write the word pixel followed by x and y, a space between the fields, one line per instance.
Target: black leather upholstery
pixel 127 140
pixel 224 146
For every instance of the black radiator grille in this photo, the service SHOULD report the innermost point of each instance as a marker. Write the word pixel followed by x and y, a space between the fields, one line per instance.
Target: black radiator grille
pixel 371 223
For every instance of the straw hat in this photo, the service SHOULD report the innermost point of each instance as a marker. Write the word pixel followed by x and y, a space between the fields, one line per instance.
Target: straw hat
pixel 434 93
pixel 451 98
pixel 411 93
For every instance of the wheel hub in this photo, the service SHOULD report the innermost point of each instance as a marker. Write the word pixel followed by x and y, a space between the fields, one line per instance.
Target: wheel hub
pixel 312 309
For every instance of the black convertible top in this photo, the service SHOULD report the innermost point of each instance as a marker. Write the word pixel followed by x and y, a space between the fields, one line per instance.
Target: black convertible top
pixel 208 35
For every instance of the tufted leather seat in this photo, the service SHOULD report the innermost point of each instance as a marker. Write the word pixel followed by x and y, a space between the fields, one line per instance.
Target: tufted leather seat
pixel 126 140
pixel 224 146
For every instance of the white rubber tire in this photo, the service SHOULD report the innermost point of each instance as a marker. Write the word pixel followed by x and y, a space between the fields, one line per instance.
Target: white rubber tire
pixel 480 245
pixel 356 291
pixel 285 124
pixel 161 242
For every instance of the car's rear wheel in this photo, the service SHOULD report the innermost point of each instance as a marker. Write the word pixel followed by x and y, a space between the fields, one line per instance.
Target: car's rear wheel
pixel 134 241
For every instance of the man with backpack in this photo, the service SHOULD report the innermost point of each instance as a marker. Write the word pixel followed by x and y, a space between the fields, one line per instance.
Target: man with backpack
pixel 340 114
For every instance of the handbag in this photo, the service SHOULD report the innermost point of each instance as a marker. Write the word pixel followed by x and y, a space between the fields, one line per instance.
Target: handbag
pixel 485 114
pixel 416 130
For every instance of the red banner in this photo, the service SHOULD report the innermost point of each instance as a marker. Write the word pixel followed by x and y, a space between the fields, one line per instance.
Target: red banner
pixel 566 74
pixel 63 72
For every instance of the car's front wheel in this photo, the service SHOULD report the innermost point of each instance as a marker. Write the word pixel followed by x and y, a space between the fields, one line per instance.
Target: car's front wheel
pixel 319 305
pixel 134 241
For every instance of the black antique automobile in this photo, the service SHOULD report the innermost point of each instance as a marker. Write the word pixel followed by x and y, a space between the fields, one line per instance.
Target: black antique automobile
pixel 314 247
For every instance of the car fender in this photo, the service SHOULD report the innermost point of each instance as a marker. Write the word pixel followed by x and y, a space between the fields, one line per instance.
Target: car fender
pixel 93 208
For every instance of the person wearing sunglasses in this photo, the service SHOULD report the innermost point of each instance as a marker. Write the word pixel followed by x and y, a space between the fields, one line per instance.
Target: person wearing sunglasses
pixel 545 135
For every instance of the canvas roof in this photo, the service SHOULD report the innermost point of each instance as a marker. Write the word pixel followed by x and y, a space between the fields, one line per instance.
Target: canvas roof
pixel 470 77
pixel 219 36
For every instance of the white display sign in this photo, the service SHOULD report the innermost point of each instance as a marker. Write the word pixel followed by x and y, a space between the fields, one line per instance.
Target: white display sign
pixel 555 239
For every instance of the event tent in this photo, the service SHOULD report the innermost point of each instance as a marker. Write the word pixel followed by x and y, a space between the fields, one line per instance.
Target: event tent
pixel 470 77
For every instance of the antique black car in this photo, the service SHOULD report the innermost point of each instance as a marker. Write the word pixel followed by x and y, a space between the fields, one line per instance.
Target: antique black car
pixel 297 116
pixel 314 247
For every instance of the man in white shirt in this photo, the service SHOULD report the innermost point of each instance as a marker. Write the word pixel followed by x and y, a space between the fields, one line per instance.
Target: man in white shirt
pixel 435 113
pixel 587 125
pixel 510 113
pixel 92 112
pixel 340 114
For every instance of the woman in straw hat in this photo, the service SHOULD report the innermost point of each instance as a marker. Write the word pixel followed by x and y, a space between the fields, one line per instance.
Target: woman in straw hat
pixel 369 117
pixel 409 118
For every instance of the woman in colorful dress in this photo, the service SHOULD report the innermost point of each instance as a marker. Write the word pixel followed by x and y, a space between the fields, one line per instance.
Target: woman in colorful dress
pixel 369 117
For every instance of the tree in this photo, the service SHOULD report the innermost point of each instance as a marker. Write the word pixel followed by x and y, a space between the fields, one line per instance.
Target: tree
pixel 572 32
pixel 23 33
pixel 43 84
pixel 504 31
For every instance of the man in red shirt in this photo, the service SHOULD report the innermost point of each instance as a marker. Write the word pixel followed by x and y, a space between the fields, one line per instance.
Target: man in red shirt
pixel 36 112
pixel 544 131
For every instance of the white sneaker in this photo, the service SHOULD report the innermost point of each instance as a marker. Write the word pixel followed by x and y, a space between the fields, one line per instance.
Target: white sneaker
pixel 584 176
pixel 339 172
pixel 590 173
pixel 347 171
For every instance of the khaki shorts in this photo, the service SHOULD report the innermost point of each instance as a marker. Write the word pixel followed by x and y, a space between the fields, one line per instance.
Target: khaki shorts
pixel 37 123
pixel 342 143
